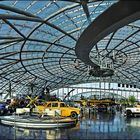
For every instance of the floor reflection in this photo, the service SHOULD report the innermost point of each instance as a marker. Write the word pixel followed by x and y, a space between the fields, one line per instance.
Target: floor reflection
pixel 94 126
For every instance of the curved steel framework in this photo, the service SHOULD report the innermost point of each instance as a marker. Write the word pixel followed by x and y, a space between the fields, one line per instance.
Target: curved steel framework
pixel 37 45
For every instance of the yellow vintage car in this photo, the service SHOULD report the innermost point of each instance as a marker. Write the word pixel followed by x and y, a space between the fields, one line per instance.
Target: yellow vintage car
pixel 57 108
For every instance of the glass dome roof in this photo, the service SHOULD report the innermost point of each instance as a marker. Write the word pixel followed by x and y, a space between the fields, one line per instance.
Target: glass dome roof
pixel 37 45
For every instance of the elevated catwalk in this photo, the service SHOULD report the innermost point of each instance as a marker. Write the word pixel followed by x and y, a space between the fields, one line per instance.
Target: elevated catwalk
pixel 36 122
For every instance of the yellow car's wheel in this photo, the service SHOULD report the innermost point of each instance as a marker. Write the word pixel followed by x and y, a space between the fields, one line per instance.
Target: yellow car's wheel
pixel 74 115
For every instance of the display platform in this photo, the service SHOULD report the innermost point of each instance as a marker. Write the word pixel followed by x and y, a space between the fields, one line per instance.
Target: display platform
pixel 36 122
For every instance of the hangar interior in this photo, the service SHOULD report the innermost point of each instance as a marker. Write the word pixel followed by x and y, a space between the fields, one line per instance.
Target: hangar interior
pixel 86 47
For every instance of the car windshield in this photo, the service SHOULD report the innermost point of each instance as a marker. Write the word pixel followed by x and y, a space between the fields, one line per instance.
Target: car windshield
pixel 48 104
pixel 130 106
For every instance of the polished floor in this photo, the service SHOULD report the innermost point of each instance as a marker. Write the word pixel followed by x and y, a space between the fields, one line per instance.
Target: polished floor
pixel 93 126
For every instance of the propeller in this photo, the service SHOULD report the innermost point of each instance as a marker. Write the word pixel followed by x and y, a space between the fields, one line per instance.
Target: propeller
pixel 32 101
